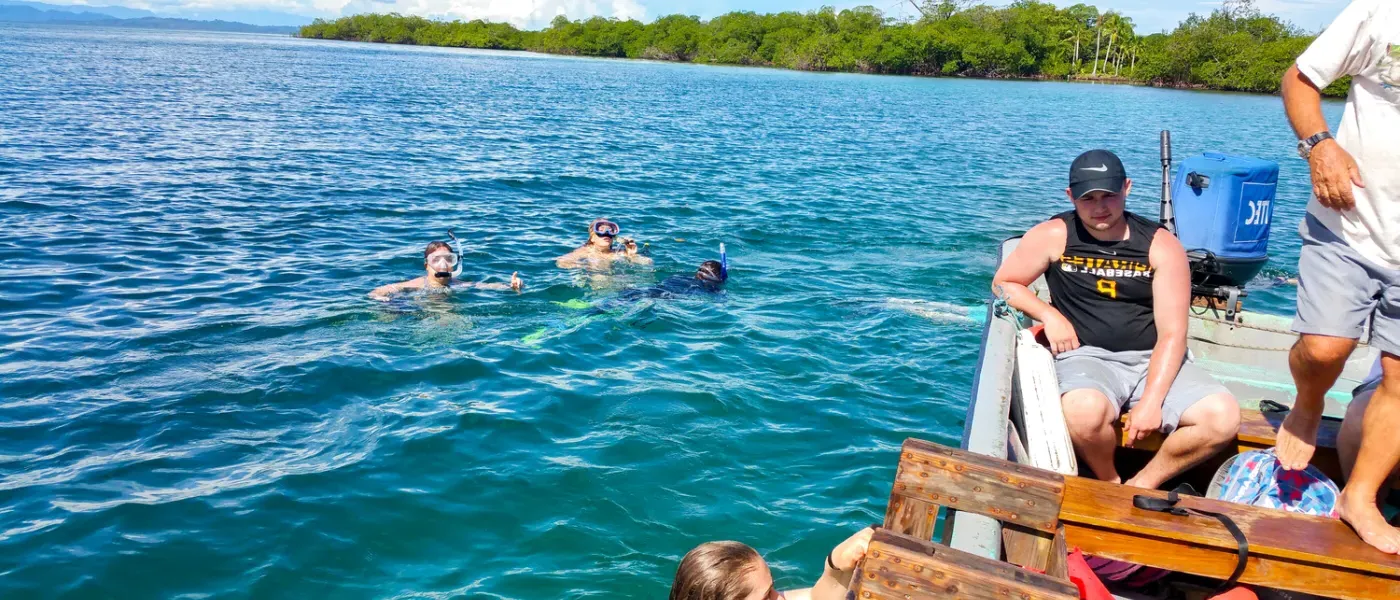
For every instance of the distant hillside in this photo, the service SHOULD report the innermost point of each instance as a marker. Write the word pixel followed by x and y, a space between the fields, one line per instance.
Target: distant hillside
pixel 28 13
pixel 111 12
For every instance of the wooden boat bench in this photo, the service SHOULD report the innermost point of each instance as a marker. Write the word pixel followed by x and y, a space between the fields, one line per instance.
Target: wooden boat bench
pixel 1286 551
pixel 899 567
pixel 1259 431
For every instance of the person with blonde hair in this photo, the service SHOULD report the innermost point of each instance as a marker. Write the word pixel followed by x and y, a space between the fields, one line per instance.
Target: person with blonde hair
pixel 734 571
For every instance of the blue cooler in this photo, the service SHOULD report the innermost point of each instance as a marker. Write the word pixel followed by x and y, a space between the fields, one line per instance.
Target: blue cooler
pixel 1223 206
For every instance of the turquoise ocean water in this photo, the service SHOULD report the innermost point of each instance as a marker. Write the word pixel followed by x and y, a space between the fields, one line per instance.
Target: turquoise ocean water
pixel 198 401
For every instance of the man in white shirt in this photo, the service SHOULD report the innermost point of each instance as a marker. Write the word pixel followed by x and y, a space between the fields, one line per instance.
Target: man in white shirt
pixel 1349 267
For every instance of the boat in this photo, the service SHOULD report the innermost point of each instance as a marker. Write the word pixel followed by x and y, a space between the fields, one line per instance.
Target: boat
pixel 1245 350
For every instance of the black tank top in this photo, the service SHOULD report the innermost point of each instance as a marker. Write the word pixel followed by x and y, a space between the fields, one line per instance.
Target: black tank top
pixel 1104 289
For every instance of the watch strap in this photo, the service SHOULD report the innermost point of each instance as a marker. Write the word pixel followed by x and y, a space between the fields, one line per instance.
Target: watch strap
pixel 1317 139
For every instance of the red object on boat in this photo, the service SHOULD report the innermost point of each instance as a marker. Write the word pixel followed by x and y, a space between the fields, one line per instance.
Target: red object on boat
pixel 1238 592
pixel 1083 577
pixel 1038 330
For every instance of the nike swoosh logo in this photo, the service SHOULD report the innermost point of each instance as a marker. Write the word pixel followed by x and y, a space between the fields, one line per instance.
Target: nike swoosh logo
pixel 1110 252
pixel 1100 168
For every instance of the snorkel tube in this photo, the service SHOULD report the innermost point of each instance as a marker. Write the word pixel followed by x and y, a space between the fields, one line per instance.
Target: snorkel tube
pixel 456 250
pixel 723 263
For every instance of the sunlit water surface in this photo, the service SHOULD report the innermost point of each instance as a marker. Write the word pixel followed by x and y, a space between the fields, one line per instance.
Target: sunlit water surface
pixel 198 400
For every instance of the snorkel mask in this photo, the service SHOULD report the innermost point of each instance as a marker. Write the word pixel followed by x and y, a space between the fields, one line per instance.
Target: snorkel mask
pixel 605 228
pixel 713 273
pixel 453 260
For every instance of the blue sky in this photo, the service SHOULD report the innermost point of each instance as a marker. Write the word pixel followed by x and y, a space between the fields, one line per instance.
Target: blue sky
pixel 1149 15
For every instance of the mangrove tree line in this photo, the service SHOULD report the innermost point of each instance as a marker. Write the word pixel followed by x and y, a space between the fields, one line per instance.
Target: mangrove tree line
pixel 1236 47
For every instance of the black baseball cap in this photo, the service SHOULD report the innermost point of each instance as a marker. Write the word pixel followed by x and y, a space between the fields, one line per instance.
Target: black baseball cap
pixel 1096 170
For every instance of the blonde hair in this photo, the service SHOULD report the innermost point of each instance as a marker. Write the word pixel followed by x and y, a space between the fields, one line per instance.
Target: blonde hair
pixel 715 571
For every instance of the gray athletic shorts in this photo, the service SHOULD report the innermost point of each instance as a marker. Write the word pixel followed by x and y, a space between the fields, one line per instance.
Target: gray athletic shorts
pixel 1339 290
pixel 1122 376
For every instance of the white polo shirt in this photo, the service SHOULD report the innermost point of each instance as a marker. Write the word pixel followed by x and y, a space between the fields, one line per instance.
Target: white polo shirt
pixel 1364 42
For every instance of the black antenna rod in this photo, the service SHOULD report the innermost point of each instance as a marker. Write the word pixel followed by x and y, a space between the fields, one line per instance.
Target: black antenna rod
pixel 1168 215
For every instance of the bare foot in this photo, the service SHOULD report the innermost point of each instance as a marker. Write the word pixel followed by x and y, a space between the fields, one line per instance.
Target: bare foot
pixel 1133 482
pixel 1363 516
pixel 1297 439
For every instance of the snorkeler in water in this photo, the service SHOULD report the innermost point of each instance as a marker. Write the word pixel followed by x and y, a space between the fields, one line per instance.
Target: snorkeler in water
pixel 708 280
pixel 599 251
pixel 443 263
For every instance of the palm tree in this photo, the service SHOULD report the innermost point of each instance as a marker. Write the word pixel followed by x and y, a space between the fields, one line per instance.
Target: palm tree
pixel 1097 38
pixel 1112 21
pixel 1074 32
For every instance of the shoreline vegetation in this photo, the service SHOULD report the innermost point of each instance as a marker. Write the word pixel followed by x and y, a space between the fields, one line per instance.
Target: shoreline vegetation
pixel 1234 48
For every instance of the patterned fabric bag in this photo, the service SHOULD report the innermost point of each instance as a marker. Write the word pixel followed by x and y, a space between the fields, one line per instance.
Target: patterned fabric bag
pixel 1257 479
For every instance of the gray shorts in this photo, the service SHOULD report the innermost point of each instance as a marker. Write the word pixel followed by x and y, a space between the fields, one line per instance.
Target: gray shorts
pixel 1122 376
pixel 1339 290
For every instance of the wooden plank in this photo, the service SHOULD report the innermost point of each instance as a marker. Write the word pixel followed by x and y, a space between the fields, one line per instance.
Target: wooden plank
pixel 1258 431
pixel 903 568
pixel 988 486
pixel 1059 556
pixel 1277 573
pixel 911 516
pixel 1287 551
pixel 1025 547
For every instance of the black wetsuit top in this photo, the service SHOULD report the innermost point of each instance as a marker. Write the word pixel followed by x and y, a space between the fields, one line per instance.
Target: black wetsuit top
pixel 1104 289
pixel 675 286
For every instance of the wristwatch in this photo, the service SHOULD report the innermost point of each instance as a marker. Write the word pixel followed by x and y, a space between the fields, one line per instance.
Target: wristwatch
pixel 1305 146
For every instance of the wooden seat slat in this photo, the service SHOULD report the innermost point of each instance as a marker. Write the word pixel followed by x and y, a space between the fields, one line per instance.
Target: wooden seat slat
pixel 1258 431
pixel 1270 532
pixel 898 567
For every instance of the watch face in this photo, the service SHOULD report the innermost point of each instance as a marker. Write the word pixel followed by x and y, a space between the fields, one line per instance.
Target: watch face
pixel 1303 148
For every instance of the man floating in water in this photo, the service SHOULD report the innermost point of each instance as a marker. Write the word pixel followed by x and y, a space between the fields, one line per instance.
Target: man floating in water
pixel 708 280
pixel 598 251
pixel 443 263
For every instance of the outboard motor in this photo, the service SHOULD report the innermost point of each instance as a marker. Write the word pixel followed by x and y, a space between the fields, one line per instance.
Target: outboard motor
pixel 1222 206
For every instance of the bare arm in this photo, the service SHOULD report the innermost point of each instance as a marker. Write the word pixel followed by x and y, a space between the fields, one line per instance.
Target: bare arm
pixel 1171 302
pixel 1302 102
pixel 834 583
pixel 515 284
pixel 1038 248
pixel 1334 171
pixel 572 260
pixel 383 292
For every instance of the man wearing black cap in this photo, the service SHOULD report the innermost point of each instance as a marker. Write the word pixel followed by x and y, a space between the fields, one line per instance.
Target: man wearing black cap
pixel 1120 288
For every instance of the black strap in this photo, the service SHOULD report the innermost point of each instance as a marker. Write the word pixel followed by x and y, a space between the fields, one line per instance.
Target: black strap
pixel 1168 505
